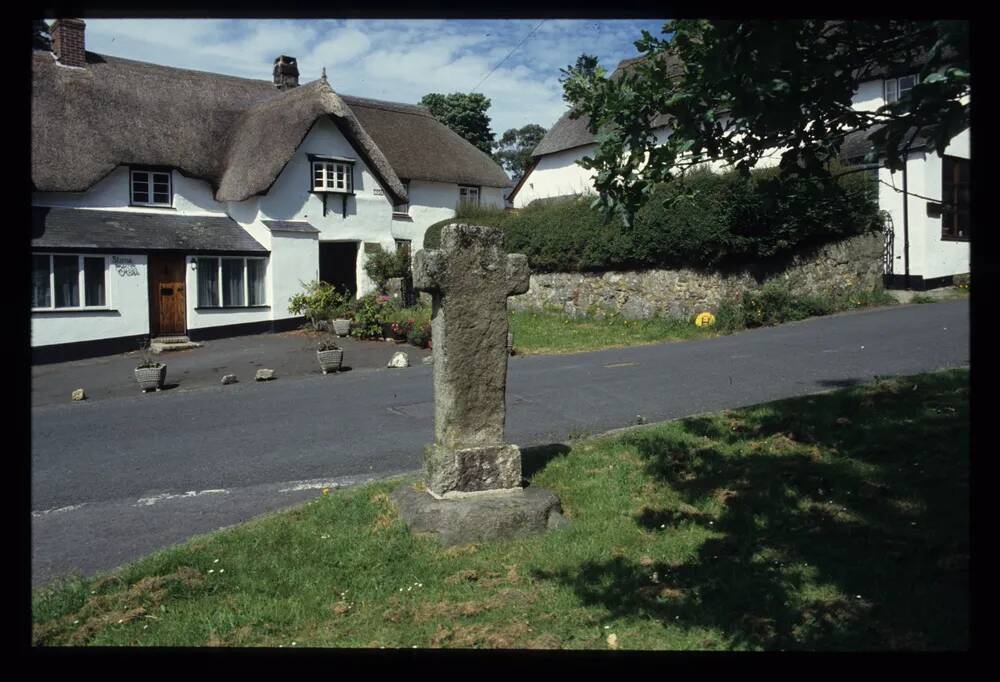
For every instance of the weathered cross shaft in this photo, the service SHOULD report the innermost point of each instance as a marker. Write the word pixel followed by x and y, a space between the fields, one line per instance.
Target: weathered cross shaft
pixel 470 278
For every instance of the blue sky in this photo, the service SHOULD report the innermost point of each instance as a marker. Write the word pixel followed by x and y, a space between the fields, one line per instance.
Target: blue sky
pixel 399 60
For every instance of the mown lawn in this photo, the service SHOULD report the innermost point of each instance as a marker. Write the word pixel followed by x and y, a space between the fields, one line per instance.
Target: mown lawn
pixel 835 521
pixel 537 332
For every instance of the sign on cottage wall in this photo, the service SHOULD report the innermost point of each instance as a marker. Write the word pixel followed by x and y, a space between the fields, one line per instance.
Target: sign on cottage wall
pixel 378 192
pixel 125 266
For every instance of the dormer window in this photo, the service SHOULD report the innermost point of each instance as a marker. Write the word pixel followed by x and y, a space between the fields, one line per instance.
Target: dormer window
pixel 332 175
pixel 896 87
pixel 151 188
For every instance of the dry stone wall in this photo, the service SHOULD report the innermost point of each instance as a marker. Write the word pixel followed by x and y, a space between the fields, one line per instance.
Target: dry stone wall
pixel 849 264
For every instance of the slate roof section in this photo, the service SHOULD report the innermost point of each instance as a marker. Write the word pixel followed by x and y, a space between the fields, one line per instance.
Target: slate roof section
pixel 75 228
pixel 236 133
pixel 290 226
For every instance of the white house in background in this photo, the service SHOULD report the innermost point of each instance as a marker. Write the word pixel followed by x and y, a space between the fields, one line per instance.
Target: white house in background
pixel 176 202
pixel 927 242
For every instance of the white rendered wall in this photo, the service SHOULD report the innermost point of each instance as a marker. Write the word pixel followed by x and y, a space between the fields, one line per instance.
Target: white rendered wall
pixel 429 203
pixel 557 175
pixel 944 257
pixel 294 262
pixel 191 196
pixel 128 313
pixel 369 215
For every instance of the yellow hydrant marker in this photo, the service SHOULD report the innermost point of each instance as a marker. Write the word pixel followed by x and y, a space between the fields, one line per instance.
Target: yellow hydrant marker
pixel 705 319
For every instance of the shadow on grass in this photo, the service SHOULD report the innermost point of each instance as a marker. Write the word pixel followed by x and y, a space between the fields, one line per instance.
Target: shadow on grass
pixel 537 457
pixel 843 523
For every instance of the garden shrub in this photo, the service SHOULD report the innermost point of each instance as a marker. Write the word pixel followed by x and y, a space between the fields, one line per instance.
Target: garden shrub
pixel 369 315
pixel 320 302
pixel 473 215
pixel 382 266
pixel 705 220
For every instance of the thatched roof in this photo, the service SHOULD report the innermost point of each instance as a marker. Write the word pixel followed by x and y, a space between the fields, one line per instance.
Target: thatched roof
pixel 235 133
pixel 419 146
pixel 568 132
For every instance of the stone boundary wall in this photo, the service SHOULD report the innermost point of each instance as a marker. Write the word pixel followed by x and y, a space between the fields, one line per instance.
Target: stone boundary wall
pixel 852 263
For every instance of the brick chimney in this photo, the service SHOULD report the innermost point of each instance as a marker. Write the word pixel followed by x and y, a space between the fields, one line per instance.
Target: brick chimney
pixel 286 73
pixel 67 41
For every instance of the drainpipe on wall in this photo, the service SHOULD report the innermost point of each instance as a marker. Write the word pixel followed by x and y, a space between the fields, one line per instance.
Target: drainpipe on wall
pixel 906 227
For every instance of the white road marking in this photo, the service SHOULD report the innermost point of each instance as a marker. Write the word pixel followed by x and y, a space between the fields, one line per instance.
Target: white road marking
pixel 309 485
pixel 59 510
pixel 149 501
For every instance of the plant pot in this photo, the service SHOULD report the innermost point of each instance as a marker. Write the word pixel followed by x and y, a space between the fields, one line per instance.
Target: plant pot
pixel 150 378
pixel 330 360
pixel 342 327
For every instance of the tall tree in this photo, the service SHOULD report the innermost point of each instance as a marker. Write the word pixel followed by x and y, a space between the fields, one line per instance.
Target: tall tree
pixel 736 90
pixel 465 113
pixel 515 147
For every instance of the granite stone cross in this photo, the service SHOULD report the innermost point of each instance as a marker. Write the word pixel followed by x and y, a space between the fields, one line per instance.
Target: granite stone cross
pixel 470 278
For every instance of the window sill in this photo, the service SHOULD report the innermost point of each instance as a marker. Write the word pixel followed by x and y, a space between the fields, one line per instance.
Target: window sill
pixel 163 206
pixel 331 191
pixel 232 307
pixel 402 216
pixel 956 239
pixel 47 311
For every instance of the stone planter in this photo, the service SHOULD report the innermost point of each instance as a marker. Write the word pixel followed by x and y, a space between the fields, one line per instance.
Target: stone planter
pixel 342 327
pixel 330 360
pixel 151 378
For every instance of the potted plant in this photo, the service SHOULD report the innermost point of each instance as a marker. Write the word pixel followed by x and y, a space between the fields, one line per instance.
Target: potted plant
pixel 329 354
pixel 401 330
pixel 342 324
pixel 150 373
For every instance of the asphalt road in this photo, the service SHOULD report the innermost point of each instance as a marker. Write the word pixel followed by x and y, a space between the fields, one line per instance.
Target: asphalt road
pixel 116 479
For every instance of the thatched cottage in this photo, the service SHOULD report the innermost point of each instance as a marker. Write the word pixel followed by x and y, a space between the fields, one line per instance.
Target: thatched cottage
pixel 928 235
pixel 175 202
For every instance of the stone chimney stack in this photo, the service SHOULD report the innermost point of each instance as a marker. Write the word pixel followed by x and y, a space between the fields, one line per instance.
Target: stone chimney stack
pixel 67 41
pixel 286 73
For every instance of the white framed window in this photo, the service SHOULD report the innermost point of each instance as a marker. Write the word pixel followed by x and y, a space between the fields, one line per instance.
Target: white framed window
pixel 403 209
pixel 61 281
pixel 227 282
pixel 150 188
pixel 468 196
pixel 896 87
pixel 332 176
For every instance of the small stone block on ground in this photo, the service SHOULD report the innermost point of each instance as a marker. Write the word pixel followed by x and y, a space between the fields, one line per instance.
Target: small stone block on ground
pixel 265 375
pixel 79 394
pixel 484 517
pixel 229 379
pixel 399 360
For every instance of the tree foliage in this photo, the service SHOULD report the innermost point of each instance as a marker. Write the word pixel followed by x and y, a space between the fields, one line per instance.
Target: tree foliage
pixel 737 90
pixel 41 39
pixel 465 113
pixel 515 147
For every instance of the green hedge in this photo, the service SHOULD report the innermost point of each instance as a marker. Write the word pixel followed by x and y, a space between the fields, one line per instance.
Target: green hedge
pixel 725 221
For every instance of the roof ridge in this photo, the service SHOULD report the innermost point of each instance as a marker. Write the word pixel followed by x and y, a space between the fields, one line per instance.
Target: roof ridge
pixel 371 103
pixel 216 74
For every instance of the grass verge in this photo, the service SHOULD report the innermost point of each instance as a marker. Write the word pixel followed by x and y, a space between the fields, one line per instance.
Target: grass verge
pixel 835 521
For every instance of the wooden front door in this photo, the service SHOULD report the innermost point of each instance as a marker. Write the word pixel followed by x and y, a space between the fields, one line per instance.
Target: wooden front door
pixel 167 298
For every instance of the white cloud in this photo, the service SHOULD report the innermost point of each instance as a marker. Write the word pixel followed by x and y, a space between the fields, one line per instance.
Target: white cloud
pixel 400 60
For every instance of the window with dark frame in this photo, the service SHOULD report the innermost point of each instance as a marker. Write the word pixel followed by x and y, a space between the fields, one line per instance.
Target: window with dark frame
pixel 468 195
pixel 150 188
pixel 897 87
pixel 955 198
pixel 332 176
pixel 68 282
pixel 229 282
